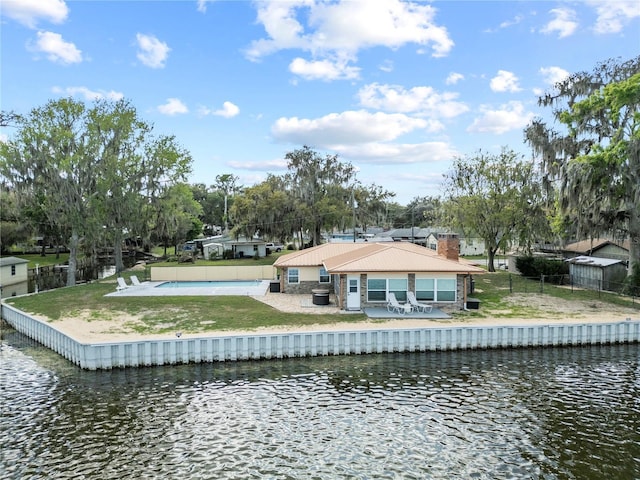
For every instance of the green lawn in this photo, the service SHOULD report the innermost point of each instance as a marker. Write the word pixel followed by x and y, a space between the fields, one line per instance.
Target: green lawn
pixel 196 314
pixel 200 314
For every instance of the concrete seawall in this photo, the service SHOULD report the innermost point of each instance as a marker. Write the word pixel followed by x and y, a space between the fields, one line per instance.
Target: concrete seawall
pixel 210 348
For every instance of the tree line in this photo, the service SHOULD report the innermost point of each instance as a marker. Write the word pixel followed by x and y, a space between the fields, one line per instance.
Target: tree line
pixel 91 175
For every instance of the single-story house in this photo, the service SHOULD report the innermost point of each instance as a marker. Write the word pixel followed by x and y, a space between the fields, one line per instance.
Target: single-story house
pixel 363 274
pixel 597 273
pixel 241 247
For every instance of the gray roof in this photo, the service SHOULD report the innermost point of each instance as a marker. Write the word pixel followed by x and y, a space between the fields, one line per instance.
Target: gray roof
pixel 595 261
pixel 12 261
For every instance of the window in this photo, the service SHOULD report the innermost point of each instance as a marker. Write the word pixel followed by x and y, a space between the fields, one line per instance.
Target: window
pixel 446 290
pixel 436 290
pixel 399 287
pixel 377 289
pixel 293 275
pixel 425 289
pixel 324 276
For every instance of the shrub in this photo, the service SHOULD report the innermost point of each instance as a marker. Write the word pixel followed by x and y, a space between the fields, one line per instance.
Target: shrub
pixel 530 266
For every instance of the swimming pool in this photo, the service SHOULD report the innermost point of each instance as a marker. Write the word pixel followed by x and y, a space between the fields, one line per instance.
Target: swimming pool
pixel 202 287
pixel 210 283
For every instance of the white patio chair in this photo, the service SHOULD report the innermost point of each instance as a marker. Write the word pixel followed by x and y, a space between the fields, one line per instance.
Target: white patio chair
pixel 419 306
pixel 122 284
pixel 393 305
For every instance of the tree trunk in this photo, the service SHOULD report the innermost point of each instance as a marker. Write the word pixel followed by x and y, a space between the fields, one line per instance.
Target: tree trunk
pixel 117 253
pixel 73 259
pixel 492 255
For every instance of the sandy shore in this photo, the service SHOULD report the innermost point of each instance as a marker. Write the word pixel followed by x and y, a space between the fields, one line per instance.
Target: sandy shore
pixel 551 310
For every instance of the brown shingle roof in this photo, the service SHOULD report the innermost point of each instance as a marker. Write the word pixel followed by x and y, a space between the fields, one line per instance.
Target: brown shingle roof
pixel 375 257
pixel 588 246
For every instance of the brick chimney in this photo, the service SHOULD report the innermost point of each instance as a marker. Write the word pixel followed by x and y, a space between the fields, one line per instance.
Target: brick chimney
pixel 449 245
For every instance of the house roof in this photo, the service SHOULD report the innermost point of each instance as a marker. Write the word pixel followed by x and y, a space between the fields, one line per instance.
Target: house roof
pixel 587 246
pixel 375 257
pixel 594 261
pixel 12 261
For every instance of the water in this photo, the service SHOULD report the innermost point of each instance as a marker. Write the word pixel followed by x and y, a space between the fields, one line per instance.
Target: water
pixel 563 413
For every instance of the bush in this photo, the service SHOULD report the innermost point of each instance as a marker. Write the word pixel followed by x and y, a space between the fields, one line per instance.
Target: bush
pixel 530 266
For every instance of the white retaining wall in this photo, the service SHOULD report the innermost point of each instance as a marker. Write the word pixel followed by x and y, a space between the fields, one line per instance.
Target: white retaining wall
pixel 301 344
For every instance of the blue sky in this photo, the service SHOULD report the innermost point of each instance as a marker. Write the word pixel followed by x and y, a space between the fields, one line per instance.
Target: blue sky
pixel 396 88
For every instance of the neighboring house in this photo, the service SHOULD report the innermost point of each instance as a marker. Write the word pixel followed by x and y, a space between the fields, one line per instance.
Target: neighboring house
pixel 414 235
pixel 598 247
pixel 597 273
pixel 13 276
pixel 363 274
pixel 241 247
pixel 468 245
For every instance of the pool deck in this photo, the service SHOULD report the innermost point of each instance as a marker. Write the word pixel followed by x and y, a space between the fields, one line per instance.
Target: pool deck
pixel 148 289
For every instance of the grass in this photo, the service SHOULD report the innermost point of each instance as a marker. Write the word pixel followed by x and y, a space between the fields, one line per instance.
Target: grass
pixel 201 314
pixel 494 290
pixel 46 261
pixel 190 314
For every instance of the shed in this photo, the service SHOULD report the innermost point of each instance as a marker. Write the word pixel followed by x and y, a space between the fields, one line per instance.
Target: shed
pixel 13 270
pixel 597 273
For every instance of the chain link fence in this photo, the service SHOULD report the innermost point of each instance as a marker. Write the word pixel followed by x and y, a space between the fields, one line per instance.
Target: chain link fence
pixel 586 286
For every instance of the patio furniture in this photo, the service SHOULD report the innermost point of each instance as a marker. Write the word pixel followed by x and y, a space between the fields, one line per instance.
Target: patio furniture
pixel 419 306
pixel 135 281
pixel 122 284
pixel 393 305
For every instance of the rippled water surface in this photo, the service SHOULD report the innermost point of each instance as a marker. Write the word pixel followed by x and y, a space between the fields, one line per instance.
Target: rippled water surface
pixel 570 413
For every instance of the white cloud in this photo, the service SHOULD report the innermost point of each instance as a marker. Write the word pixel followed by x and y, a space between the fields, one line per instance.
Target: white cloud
pixel 506 24
pixel 345 27
pixel 152 52
pixel 55 48
pixel 174 106
pixel 323 70
pixel 553 75
pixel 613 15
pixel 398 153
pixel 454 78
pixel 505 81
pixel 88 94
pixel 268 165
pixel 563 22
pixel 386 66
pixel 202 5
pixel 350 127
pixel 508 117
pixel 228 110
pixel 29 12
pixel 421 100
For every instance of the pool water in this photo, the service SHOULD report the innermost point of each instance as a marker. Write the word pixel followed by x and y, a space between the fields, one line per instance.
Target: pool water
pixel 211 284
